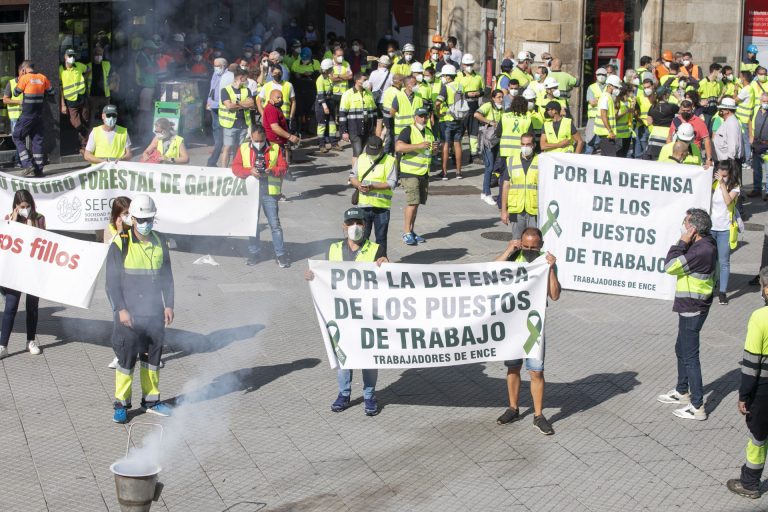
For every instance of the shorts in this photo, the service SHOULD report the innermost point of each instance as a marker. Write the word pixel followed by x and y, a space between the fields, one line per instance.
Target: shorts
pixel 358 143
pixel 531 364
pixel 235 136
pixel 519 222
pixel 416 189
pixel 451 131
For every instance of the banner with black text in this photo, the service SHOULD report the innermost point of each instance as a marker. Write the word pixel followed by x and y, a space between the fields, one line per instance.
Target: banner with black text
pixel 415 316
pixel 610 221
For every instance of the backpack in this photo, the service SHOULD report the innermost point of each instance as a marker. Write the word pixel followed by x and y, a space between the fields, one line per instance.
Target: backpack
pixel 460 108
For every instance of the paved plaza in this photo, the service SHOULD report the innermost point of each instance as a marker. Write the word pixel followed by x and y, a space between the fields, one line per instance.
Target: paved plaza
pixel 246 359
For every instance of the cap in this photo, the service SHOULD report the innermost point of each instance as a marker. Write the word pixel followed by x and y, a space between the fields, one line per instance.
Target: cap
pixel 728 104
pixel 668 55
pixel 219 45
pixel 468 59
pixel 523 56
pixel 421 112
pixel 109 109
pixel 142 207
pixel 351 214
pixel 529 94
pixel 296 44
pixel 507 63
pixel 416 67
pixel 554 106
pixel 178 37
pixel 409 48
pixel 551 83
pixel 614 81
pixel 663 90
pixel 374 145
pixel 601 71
pixel 448 70
pixel 326 64
pixel 384 59
pixel 69 51
pixel 685 132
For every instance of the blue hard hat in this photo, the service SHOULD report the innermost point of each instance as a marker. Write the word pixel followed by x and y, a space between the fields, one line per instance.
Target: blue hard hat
pixel 219 45
pixel 752 49
pixel 306 53
pixel 256 39
pixel 198 50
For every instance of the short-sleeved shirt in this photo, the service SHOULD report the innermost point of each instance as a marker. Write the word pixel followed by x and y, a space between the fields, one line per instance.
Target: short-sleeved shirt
pixel 271 116
pixel 721 217
pixel 700 129
pixel 91 144
pixel 602 103
pixel 663 113
pixel 34 86
pixel 391 173
pixel 240 113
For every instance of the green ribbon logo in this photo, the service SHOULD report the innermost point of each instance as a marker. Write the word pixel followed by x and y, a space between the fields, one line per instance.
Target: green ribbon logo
pixel 553 212
pixel 534 329
pixel 335 337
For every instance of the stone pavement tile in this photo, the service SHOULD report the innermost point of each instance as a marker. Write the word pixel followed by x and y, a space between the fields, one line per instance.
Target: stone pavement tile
pixel 317 441
pixel 413 484
pixel 263 440
pixel 317 503
pixel 643 449
pixel 476 441
pixel 225 453
pixel 475 490
pixel 708 456
pixel 242 484
pixel 193 500
pixel 544 498
pixel 543 465
pixel 668 432
pixel 679 474
pixel 582 441
pixel 291 475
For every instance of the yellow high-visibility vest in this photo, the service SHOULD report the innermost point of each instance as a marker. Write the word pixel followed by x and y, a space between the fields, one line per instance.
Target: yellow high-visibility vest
pixel 523 192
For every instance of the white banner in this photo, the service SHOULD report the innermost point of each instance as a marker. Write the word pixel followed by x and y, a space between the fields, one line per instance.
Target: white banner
pixel 414 316
pixel 190 200
pixel 610 221
pixel 51 266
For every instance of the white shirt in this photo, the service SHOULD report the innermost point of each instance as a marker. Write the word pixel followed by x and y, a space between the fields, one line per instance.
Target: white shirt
pixel 91 144
pixel 377 80
pixel 721 217
pixel 272 86
pixel 602 103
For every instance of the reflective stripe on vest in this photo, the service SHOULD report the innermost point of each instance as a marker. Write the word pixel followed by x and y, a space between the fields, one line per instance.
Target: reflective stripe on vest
pixel 173 147
pixel 72 81
pixel 744 109
pixel 105 67
pixel 378 198
pixel 14 111
pixel 103 148
pixel 228 117
pixel 523 192
pixel 417 162
pixel 274 183
pixel 366 253
pixel 512 128
pixel 623 120
pixel 658 135
pixel 563 133
pixel 600 128
pixel 596 92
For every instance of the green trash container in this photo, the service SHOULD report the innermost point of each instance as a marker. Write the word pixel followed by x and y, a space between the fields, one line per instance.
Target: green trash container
pixel 171 110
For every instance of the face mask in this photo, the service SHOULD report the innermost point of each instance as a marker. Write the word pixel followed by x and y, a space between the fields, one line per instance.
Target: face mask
pixel 531 105
pixel 70 60
pixel 419 126
pixel 686 63
pixel 339 59
pixel 467 69
pixel 636 81
pixel 355 47
pixel 601 79
pixel 683 230
pixel 258 145
pixel 126 219
pixel 248 55
pixel 198 58
pixel 257 48
pixel 446 57
pixel 667 64
pixel 408 57
pixel 391 54
pixel 514 92
pixel 648 91
pixel 144 228
pixel 297 50
pixel 442 79
pixel 110 121
pixel 526 151
pixel 537 76
pixel 419 77
pixel 764 106
pixel 97 59
pixel 615 93
pixel 278 104
pixel 719 76
pixel 530 254
pixel 434 57
pixel 355 232
pixel 218 69
pixel 686 115
pixel 277 78
pixel 762 78
pixel 556 93
pixel 683 84
pixel 205 46
pixel 24 212
pixel 498 106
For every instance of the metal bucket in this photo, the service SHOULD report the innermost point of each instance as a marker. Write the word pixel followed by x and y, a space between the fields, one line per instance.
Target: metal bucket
pixel 136 483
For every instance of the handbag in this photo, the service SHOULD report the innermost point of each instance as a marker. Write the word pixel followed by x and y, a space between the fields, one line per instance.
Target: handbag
pixel 356 193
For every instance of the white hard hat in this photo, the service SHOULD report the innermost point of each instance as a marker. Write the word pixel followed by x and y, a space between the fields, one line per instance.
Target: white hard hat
pixel 409 48
pixel 326 64
pixel 142 207
pixel 529 94
pixel 614 81
pixel 416 67
pixel 448 70
pixel 178 37
pixel 601 71
pixel 551 83
pixel 523 56
pixel 384 59
pixel 279 42
pixel 727 104
pixel 685 132
pixel 468 59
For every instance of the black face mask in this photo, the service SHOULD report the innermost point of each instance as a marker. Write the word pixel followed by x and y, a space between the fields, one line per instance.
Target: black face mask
pixel 278 104
pixel 530 254
pixel 686 115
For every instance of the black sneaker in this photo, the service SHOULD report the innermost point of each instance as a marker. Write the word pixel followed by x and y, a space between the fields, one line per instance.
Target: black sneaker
pixel 755 281
pixel 341 403
pixel 541 423
pixel 283 261
pixel 252 260
pixel 722 298
pixel 510 415
pixel 734 485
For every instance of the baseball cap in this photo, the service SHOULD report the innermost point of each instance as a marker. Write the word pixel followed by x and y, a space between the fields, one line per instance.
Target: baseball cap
pixel 69 51
pixel 354 214
pixel 109 109
pixel 421 111
pixel 374 146
pixel 553 105
pixel 507 63
pixel 384 59
pixel 523 56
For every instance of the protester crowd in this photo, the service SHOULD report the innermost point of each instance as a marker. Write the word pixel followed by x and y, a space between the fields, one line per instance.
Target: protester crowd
pixel 404 117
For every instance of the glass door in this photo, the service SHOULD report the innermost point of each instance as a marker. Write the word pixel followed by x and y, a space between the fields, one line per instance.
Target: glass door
pixel 13 50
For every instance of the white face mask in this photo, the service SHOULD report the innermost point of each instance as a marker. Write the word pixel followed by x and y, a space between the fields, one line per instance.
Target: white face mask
pixel 537 76
pixel 419 126
pixel 248 55
pixel 636 81
pixel 601 79
pixel 339 59
pixel 391 54
pixel 126 219
pixel 686 63
pixel 110 121
pixel 764 106
pixel 97 59
pixel 408 57
pixel 514 92
pixel 258 145
pixel 498 106
pixel 24 212
pixel 443 79
pixel 434 57
pixel 648 91
pixel 355 232
pixel 615 93
pixel 683 229
pixel 218 70
pixel 355 47
pixel 419 77
pixel 667 63
pixel 526 151
pixel 556 93
pixel 468 68
pixel 719 76
pixel 70 60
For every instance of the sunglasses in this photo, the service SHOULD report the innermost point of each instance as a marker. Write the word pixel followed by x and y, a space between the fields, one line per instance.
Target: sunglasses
pixel 111 115
pixel 144 220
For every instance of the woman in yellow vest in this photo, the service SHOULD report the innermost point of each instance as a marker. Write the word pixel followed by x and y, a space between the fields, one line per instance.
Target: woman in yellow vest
pixel 167 147
pixel 489 115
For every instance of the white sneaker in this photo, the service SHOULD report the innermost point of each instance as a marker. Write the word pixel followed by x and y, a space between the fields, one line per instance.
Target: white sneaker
pixel 689 412
pixel 673 397
pixel 489 200
pixel 113 364
pixel 34 347
pixel 3 352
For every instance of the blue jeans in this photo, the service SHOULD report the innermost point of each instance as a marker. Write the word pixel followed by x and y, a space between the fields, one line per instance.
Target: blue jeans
pixel 592 145
pixel 641 141
pixel 758 150
pixel 687 352
pixel 344 378
pixel 724 256
pixel 745 141
pixel 489 158
pixel 377 219
pixel 218 138
pixel 269 205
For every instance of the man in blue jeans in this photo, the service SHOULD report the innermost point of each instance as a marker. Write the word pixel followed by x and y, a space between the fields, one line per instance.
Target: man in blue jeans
pixel 527 249
pixel 266 163
pixel 693 260
pixel 220 78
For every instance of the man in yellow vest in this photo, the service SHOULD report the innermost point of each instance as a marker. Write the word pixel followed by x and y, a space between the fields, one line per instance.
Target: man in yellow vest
pixel 257 158
pixel 358 115
pixel 522 72
pixel 234 114
pixel 682 150
pixel 99 83
pixel 404 104
pixel 753 398
pixel 326 122
pixel 417 145
pixel 451 130
pixel 108 141
pixel 560 135
pixel 374 176
pixel 12 102
pixel 289 95
pixel 355 247
pixel 594 91
pixel 74 95
pixel 752 62
pixel 520 188
pixel 473 87
pixel 140 289
pixel 340 76
pixel 605 120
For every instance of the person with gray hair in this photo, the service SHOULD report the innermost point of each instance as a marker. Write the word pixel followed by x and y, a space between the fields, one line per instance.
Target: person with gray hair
pixel 693 261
